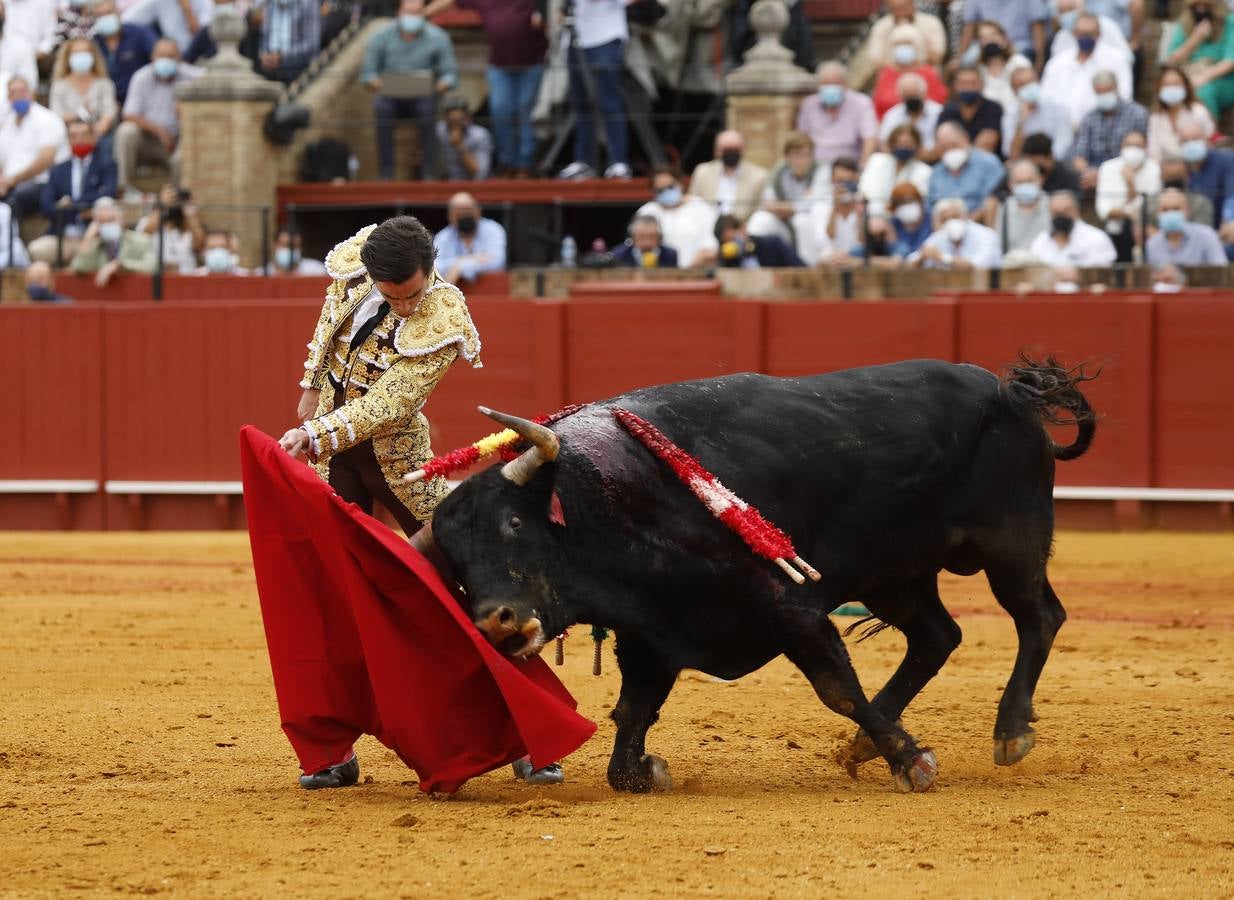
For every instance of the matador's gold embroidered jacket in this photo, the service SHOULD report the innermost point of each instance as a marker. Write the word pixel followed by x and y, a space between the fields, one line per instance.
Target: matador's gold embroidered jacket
pixel 376 391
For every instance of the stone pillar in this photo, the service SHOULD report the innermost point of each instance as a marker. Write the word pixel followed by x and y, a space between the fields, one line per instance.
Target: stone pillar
pixel 225 159
pixel 766 89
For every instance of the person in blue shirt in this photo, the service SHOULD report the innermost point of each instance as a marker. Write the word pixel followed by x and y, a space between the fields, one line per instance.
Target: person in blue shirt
pixel 410 44
pixel 470 245
pixel 963 170
pixel 1211 173
pixel 957 242
pixel 125 47
pixel 902 233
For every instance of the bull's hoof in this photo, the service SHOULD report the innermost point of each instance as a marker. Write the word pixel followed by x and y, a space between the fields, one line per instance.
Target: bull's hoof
pixel 650 775
pixel 1010 751
pixel 919 775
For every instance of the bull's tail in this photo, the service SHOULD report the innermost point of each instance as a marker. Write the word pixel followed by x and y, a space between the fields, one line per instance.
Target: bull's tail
pixel 1052 393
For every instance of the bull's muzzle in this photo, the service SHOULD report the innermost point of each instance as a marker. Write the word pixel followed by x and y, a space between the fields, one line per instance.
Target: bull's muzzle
pixel 513 638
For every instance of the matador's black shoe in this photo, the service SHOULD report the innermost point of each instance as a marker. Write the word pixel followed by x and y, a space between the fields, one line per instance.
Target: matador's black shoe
pixel 345 774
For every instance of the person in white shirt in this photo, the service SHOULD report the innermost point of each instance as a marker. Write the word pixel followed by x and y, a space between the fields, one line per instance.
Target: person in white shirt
pixel 999 61
pixel 796 187
pixel 34 20
pixel 901 162
pixel 839 234
pixel 1068 12
pixel 902 12
pixel 177 20
pixel 17 54
pixel 601 35
pixel 12 251
pixel 687 222
pixel 1124 181
pixel 32 140
pixel 1070 240
pixel 957 242
pixel 1068 77
pixel 915 109
pixel 289 258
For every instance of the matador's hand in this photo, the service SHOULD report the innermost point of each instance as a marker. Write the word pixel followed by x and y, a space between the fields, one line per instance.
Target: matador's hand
pixel 296 442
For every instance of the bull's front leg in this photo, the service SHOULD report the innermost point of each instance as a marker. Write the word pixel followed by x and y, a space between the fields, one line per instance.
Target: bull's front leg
pixel 645 684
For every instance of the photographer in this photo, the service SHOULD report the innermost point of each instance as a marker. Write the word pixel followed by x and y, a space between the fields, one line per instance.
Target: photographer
pixel 466 148
pixel 183 234
pixel 599 47
pixel 739 250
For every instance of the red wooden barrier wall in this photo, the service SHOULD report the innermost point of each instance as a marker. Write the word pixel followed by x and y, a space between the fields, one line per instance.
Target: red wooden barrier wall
pixel 144 392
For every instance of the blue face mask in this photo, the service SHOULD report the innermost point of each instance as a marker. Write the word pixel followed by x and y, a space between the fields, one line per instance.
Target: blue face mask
pixel 1107 101
pixel 286 257
pixel 38 292
pixel 165 68
pixel 1172 94
pixel 670 196
pixel 1172 220
pixel 831 95
pixel 21 107
pixel 1066 21
pixel 218 259
pixel 1194 151
pixel 107 25
pixel 1086 43
pixel 1027 192
pixel 411 24
pixel 903 154
pixel 1030 93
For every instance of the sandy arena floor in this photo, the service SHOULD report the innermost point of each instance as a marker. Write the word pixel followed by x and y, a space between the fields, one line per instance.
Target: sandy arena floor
pixel 141 754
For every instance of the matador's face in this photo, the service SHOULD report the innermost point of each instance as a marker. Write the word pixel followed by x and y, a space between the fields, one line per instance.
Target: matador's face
pixel 404 296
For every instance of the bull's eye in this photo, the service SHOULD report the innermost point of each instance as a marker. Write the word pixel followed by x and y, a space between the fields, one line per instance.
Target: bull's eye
pixel 515 523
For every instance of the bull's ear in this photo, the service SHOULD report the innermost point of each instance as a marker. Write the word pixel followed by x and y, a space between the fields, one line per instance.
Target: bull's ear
pixel 556 514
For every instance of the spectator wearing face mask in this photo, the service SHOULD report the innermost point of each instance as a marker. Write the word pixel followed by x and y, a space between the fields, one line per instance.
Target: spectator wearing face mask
pixel 686 222
pixel 1178 241
pixel 728 182
pixel 150 131
pixel 1112 33
pixel 1168 279
pixel 999 61
pixel 900 13
pixel 289 258
pixel 645 247
pixel 41 285
pixel 900 163
pixel 126 48
pixel 904 231
pixel 797 186
pixel 1070 240
pixel 1068 77
pixel 1023 21
pixel 1211 173
pixel 980 117
pixel 1174 105
pixel 957 242
pixel 963 170
pixel 915 109
pixel 1025 212
pixel 17 56
pixel 1175 174
pixel 73 186
pixel 1203 43
pixel 32 140
pixel 1122 184
pixel 907 57
pixel 739 250
pixel 107 249
pixel 219 256
pixel 1104 130
pixel 840 219
pixel 471 244
pixel 839 121
pixel 81 89
pixel 1030 114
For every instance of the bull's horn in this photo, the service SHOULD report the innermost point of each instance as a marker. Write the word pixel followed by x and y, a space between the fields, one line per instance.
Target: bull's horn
pixel 545 446
pixel 423 541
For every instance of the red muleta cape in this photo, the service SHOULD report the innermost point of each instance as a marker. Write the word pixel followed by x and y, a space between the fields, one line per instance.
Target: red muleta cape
pixel 365 638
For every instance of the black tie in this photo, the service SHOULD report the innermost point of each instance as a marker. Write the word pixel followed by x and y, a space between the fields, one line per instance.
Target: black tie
pixel 366 329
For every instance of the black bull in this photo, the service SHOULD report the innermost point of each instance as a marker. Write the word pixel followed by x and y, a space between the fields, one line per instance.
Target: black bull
pixel 882 476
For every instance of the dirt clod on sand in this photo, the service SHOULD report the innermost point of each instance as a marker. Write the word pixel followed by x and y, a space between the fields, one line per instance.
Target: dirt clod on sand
pixel 141 752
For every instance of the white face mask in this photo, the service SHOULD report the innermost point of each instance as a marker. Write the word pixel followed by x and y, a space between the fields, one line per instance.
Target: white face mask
pixel 1133 156
pixel 1066 287
pixel 955 158
pixel 1164 287
pixel 909 213
pixel 954 229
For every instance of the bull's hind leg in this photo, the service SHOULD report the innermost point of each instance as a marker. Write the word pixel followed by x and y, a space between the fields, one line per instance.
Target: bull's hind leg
pixel 645 685
pixel 931 635
pixel 1038 614
pixel 815 647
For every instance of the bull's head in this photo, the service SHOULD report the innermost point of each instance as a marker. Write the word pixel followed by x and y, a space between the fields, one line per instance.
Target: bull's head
pixel 494 532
